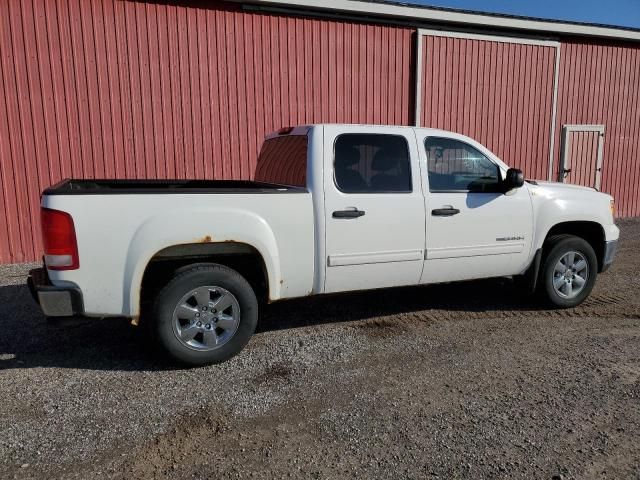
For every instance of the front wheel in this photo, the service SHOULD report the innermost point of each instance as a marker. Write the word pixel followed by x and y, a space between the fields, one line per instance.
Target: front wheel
pixel 206 314
pixel 568 272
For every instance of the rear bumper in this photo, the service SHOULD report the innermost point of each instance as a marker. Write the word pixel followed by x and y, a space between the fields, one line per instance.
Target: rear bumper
pixel 54 301
pixel 610 249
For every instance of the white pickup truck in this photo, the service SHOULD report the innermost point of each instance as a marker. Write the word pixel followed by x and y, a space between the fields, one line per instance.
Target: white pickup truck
pixel 333 208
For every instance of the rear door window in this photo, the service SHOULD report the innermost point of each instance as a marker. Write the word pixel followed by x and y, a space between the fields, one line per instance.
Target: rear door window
pixel 372 163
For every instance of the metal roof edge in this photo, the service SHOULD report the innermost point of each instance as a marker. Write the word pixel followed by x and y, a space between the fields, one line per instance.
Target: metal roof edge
pixel 457 17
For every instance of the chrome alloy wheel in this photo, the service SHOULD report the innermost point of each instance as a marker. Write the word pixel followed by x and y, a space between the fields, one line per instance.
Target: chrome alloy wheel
pixel 206 318
pixel 570 274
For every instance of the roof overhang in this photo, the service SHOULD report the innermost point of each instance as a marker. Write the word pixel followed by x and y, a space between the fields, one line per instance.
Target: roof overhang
pixel 463 19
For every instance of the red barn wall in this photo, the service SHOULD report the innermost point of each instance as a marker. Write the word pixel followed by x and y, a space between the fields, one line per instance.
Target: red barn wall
pixel 600 84
pixel 128 89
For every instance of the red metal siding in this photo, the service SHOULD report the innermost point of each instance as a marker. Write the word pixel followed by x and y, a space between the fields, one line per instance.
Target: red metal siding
pixel 600 84
pixel 123 89
pixel 500 94
pixel 135 89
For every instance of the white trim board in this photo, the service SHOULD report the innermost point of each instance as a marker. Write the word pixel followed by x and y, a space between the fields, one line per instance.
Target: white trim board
pixel 487 37
pixel 584 128
pixel 458 18
pixel 554 113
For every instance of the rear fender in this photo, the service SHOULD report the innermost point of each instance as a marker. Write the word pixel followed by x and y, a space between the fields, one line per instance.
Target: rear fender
pixel 181 227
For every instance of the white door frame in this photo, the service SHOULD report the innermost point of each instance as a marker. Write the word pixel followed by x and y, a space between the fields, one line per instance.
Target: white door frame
pixel 565 147
pixel 421 32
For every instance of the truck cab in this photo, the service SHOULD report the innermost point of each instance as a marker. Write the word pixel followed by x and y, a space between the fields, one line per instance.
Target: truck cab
pixel 433 207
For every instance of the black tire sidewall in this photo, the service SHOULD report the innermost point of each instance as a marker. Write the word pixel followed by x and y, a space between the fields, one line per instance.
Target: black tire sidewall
pixel 557 250
pixel 168 298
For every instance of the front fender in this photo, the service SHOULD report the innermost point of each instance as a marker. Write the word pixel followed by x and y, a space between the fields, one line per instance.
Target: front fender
pixel 569 205
pixel 179 227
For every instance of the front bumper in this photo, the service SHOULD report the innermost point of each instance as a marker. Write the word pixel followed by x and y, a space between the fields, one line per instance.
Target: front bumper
pixel 610 249
pixel 54 301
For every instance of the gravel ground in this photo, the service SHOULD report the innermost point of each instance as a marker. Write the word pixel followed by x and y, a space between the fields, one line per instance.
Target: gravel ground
pixel 456 381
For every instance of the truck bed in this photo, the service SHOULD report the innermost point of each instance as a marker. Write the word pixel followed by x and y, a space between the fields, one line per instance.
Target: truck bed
pixel 129 187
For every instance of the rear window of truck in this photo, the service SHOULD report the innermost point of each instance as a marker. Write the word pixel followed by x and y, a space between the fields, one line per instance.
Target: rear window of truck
pixel 283 160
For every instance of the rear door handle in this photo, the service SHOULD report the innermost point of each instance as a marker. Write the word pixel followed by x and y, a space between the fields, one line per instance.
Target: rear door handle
pixel 351 213
pixel 444 212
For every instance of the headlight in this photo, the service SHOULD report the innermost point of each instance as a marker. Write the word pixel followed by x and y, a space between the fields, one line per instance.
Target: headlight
pixel 613 208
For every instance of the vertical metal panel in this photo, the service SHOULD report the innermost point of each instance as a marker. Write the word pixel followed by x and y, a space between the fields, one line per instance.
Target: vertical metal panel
pixel 125 89
pixel 497 92
pixel 600 84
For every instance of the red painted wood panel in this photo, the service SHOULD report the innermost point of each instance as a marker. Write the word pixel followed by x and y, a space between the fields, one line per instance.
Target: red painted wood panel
pixel 500 94
pixel 125 89
pixel 600 84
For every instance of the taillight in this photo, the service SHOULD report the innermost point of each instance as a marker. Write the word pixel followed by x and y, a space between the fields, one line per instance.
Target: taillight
pixel 59 238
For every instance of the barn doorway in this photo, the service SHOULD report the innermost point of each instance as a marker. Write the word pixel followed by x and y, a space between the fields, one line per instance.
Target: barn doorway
pixel 501 91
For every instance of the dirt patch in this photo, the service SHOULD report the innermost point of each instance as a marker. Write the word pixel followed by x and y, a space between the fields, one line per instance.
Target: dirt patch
pixel 166 455
pixel 381 328
pixel 278 371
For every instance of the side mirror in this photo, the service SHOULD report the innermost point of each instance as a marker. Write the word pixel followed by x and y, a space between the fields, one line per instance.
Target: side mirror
pixel 513 179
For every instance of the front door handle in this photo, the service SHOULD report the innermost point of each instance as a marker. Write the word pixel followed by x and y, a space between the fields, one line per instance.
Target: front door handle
pixel 351 213
pixel 445 212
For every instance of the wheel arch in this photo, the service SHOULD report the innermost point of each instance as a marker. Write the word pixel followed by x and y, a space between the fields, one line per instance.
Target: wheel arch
pixel 592 232
pixel 170 261
pixel 245 234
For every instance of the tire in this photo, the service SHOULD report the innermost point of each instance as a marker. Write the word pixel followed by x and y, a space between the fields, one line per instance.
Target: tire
pixel 569 288
pixel 188 327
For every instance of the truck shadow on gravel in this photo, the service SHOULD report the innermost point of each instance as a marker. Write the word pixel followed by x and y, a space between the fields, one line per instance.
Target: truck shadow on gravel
pixel 27 340
pixel 489 295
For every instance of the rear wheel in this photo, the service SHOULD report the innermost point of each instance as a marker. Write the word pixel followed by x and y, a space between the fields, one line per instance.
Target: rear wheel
pixel 206 314
pixel 569 270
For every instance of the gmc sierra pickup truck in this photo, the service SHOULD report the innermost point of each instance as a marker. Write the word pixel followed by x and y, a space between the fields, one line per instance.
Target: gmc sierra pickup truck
pixel 333 208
